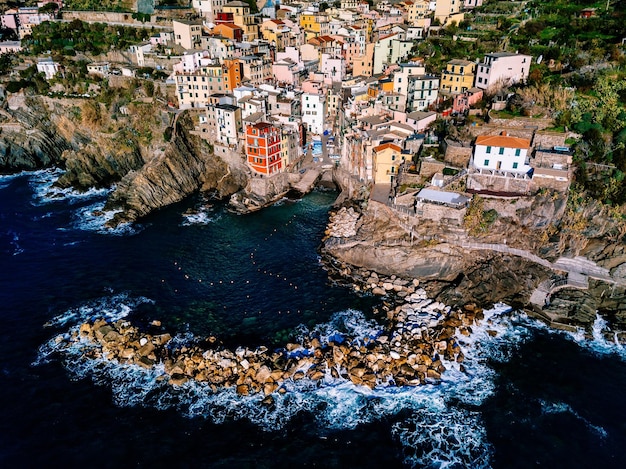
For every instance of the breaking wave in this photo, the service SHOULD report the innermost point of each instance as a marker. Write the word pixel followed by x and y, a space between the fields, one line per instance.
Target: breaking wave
pixel 45 192
pixel 444 426
pixel 437 425
pixel 94 218
pixel 203 215
pixel 599 343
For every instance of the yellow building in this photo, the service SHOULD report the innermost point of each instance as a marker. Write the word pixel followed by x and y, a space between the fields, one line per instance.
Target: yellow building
pixel 387 159
pixel 243 18
pixel 458 76
pixel 309 22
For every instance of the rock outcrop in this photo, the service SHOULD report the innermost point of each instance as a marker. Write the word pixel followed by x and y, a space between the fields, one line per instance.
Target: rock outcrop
pixel 185 167
pixel 29 139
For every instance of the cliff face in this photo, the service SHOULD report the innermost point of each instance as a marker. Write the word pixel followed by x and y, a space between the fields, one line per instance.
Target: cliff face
pixel 185 166
pixel 457 267
pixel 376 241
pixel 39 132
pixel 28 139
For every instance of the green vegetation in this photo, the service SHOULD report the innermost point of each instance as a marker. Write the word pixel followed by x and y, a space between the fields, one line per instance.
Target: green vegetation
pixel 477 220
pixel 68 38
pixel 99 5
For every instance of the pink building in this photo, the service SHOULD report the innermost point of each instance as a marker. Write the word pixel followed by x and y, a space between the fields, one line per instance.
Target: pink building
pixel 464 101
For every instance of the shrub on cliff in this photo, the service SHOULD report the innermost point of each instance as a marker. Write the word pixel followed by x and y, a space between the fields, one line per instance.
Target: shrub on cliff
pixel 477 220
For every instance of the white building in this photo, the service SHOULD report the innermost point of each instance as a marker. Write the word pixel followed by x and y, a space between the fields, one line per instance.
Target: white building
pixel 208 8
pixel 423 91
pixel 389 50
pixel 48 67
pixel 502 153
pixel 228 124
pixel 313 112
pixel 502 69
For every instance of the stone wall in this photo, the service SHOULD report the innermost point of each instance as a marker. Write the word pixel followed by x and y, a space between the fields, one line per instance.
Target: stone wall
pixel 269 186
pixel 486 182
pixel 549 183
pixel 159 19
pixel 430 167
pixel 441 213
pixel 521 122
pixel 456 153
pixel 548 139
pixel 497 129
pixel 547 159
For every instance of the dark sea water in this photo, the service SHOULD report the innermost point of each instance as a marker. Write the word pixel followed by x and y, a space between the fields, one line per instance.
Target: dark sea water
pixel 530 397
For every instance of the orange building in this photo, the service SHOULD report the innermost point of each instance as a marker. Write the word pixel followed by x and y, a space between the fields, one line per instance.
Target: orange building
pixel 233 72
pixel 230 31
pixel 263 148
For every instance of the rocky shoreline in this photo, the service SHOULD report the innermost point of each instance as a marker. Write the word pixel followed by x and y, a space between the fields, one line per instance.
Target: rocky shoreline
pixel 414 347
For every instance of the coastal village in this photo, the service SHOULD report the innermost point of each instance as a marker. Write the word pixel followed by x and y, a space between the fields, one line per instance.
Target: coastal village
pixel 303 91
pixel 340 84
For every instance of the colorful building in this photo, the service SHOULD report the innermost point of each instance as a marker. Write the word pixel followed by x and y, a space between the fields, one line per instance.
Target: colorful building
pixel 387 159
pixel 458 76
pixel 263 148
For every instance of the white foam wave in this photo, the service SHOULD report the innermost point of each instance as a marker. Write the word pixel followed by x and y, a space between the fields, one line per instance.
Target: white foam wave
pixel 204 215
pixel 440 431
pixel 45 192
pixel 562 408
pixel 110 308
pixel 444 438
pixel 94 218
pixel 598 343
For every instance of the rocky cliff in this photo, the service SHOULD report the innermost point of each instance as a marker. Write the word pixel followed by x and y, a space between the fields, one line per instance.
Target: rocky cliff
pixel 98 149
pixel 454 264
pixel 29 139
pixel 185 167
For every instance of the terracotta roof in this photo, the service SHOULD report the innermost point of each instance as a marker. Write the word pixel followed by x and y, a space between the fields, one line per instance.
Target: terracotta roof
pixel 384 146
pixel 502 141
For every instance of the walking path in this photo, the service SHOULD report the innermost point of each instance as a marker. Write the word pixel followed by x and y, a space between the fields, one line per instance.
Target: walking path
pixel 576 271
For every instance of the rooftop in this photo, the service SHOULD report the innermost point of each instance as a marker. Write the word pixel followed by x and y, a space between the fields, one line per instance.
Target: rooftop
pixel 442 197
pixel 502 141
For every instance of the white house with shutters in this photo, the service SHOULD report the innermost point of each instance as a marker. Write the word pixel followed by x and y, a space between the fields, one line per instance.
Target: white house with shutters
pixel 502 153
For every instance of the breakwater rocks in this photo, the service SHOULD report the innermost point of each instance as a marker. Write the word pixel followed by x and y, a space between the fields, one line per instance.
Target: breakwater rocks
pixel 415 347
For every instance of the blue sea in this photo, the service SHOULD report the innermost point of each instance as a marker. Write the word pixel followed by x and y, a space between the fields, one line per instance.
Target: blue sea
pixel 528 397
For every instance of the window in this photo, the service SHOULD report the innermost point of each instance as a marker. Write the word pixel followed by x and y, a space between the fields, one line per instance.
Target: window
pixel 514 165
pixel 488 149
pixel 486 163
pixel 517 152
pixel 501 152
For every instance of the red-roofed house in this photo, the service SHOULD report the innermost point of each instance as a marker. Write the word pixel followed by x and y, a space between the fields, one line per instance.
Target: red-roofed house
pixel 502 153
pixel 387 159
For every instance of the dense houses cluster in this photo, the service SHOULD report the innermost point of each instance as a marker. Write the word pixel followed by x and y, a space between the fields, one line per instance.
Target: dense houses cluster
pixel 267 84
